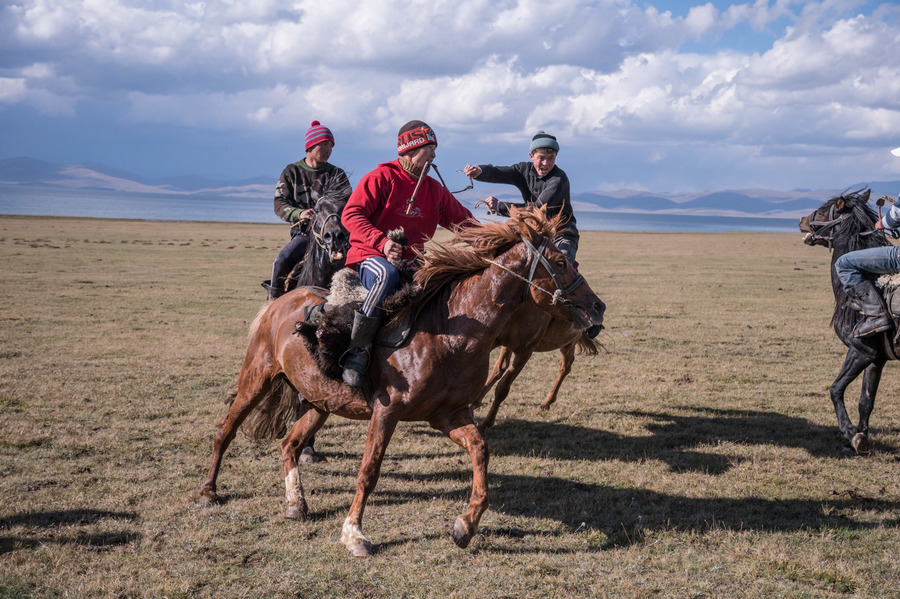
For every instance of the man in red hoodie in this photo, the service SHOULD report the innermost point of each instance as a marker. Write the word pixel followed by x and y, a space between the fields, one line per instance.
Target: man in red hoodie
pixel 396 194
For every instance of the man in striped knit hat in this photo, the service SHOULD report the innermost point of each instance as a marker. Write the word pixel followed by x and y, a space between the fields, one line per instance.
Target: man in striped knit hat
pixel 301 184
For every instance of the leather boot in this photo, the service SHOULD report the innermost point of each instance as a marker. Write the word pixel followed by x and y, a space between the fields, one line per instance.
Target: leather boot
pixel 869 301
pixel 356 359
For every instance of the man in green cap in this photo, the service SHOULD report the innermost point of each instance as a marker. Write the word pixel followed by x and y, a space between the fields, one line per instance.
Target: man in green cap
pixel 541 183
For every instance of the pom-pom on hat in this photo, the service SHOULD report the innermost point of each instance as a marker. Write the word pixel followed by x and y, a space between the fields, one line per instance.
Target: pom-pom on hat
pixel 414 134
pixel 317 134
pixel 543 140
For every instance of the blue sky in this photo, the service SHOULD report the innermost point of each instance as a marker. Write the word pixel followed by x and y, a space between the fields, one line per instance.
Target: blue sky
pixel 661 96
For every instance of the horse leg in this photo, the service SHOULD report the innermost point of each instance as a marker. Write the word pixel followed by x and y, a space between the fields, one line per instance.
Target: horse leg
pixel 520 358
pixel 500 367
pixel 462 430
pixel 871 379
pixel 854 364
pixel 566 359
pixel 381 428
pixel 309 421
pixel 253 386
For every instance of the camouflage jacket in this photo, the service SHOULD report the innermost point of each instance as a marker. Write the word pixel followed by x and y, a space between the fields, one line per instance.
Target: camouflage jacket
pixel 301 186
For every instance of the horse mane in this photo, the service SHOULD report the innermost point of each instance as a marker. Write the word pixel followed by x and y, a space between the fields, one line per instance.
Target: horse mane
pixel 849 236
pixel 854 233
pixel 475 243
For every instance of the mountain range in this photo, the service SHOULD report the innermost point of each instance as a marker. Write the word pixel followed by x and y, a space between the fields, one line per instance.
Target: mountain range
pixel 28 172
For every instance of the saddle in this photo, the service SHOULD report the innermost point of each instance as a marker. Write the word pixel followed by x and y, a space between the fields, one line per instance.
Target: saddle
pixel 326 326
pixel 889 285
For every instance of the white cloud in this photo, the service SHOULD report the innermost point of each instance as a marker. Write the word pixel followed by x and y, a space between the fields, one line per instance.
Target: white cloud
pixel 605 74
pixel 12 91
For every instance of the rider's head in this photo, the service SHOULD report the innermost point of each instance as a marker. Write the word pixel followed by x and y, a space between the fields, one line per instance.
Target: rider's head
pixel 415 134
pixel 543 150
pixel 317 133
pixel 417 142
pixel 318 144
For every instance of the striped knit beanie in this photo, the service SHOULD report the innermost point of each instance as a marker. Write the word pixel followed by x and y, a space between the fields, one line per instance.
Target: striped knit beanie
pixel 414 134
pixel 543 140
pixel 317 134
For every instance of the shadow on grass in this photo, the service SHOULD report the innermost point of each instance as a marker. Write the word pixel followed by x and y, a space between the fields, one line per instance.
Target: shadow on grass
pixel 625 516
pixel 45 525
pixel 671 438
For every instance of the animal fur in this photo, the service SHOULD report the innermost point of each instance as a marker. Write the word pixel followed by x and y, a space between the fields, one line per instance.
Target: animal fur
pixel 328 340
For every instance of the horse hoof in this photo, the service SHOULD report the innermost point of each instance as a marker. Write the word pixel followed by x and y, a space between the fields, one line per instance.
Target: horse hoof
pixel 309 456
pixel 360 549
pixel 860 443
pixel 296 512
pixel 208 499
pixel 459 534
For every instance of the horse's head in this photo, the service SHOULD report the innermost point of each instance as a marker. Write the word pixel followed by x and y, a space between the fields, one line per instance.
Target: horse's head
pixel 554 284
pixel 845 216
pixel 328 232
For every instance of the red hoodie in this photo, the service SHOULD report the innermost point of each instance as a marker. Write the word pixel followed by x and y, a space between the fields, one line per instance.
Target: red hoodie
pixel 378 204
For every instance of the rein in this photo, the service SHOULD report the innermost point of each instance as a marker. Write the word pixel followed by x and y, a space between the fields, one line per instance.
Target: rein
pixel 558 296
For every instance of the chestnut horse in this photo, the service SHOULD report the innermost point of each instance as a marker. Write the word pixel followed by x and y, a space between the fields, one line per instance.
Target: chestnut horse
pixel 537 333
pixel 470 289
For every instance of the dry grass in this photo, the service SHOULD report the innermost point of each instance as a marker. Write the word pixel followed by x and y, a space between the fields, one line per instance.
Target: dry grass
pixel 699 457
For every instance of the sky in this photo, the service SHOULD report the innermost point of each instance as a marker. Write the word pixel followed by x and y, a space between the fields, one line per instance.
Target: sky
pixel 651 95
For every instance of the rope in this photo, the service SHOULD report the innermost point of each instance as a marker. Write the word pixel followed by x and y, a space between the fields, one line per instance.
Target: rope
pixel 556 295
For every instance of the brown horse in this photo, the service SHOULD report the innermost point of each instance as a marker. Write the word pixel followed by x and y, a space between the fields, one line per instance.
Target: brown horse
pixel 538 332
pixel 471 287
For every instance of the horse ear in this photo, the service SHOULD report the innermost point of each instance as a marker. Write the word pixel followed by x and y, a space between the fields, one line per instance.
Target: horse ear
pixel 527 231
pixel 865 195
pixel 839 205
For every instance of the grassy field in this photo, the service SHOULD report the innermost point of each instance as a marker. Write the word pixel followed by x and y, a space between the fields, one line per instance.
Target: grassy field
pixel 698 456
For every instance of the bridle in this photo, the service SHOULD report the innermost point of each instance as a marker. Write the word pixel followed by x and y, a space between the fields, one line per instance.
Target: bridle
pixel 537 254
pixel 819 228
pixel 319 232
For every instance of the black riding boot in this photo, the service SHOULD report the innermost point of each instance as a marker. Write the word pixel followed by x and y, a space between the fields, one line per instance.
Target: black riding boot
pixel 871 304
pixel 356 359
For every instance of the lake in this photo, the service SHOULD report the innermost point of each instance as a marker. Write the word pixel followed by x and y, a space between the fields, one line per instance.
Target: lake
pixel 109 204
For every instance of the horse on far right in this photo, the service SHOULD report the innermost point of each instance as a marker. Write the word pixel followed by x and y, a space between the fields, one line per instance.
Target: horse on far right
pixel 844 224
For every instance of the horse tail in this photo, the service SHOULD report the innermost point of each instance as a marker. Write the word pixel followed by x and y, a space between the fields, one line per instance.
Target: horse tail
pixel 273 412
pixel 272 416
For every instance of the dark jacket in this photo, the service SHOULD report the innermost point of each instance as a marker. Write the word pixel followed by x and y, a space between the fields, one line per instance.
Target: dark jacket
pixel 301 186
pixel 551 190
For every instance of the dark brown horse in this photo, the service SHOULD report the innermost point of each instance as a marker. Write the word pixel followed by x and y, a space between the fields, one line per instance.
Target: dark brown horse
pixel 537 332
pixel 844 224
pixel 327 251
pixel 471 287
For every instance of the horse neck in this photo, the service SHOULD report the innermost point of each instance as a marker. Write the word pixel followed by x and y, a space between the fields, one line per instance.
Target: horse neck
pixel 845 317
pixel 316 270
pixel 844 244
pixel 492 296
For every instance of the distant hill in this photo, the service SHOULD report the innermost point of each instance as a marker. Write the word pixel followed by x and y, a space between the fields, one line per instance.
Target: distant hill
pixel 28 172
